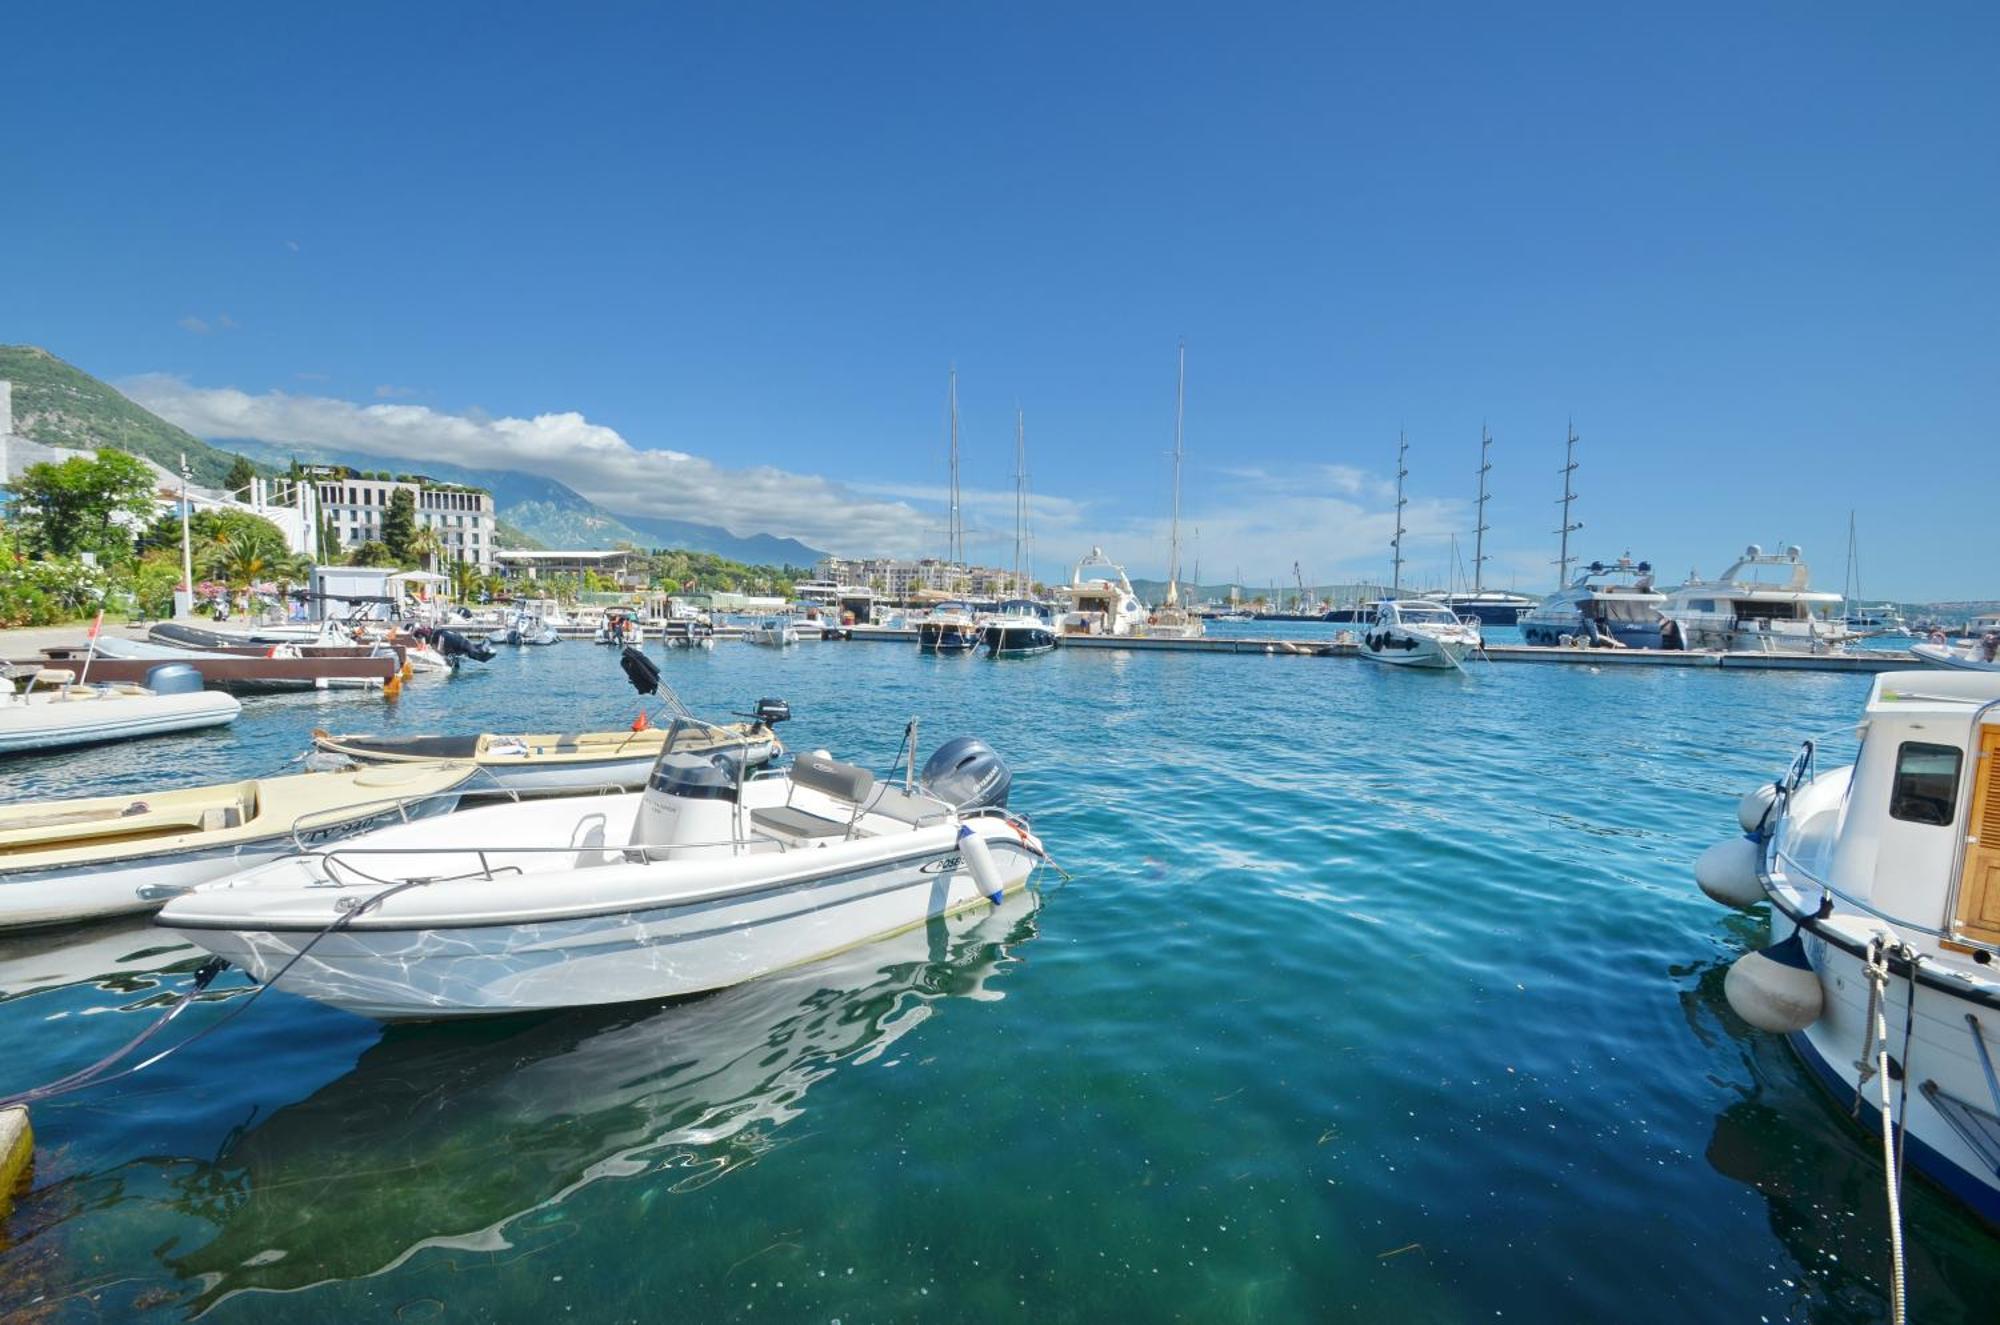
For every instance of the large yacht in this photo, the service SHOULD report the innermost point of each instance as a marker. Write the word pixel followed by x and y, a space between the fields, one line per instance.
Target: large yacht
pixel 1103 603
pixel 1763 603
pixel 1612 604
pixel 1492 607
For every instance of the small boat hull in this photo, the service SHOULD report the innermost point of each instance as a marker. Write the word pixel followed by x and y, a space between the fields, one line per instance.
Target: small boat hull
pixel 1960 660
pixel 1013 641
pixel 779 917
pixel 1410 648
pixel 38 722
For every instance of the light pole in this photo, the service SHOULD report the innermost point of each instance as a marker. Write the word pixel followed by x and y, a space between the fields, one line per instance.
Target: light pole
pixel 184 601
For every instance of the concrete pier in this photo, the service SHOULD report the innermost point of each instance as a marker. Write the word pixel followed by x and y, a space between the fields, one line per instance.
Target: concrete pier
pixel 1862 663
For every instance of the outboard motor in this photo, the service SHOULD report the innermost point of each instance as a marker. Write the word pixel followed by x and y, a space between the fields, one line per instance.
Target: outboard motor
pixel 966 775
pixel 173 678
pixel 689 809
pixel 771 712
pixel 454 646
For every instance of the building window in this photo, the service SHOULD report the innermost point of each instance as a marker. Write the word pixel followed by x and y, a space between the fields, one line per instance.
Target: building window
pixel 1926 787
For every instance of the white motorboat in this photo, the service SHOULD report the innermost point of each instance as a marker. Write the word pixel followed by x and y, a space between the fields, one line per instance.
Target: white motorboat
pixel 1764 603
pixel 950 629
pixel 1608 605
pixel 722 871
pixel 55 712
pixel 1413 632
pixel 1022 628
pixel 72 860
pixel 1983 656
pixel 1418 632
pixel 774 631
pixel 1883 880
pixel 1102 603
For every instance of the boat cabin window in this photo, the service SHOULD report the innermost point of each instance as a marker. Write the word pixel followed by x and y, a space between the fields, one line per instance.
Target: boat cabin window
pixel 1626 610
pixel 1926 787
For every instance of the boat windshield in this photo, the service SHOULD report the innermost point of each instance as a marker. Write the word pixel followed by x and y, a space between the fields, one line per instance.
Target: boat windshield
pixel 1429 614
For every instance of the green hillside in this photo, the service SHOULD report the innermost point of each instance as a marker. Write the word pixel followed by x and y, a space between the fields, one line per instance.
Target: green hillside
pixel 60 405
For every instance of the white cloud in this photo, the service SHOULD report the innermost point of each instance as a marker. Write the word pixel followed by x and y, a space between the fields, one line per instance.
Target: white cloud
pixel 194 324
pixel 594 460
pixel 395 392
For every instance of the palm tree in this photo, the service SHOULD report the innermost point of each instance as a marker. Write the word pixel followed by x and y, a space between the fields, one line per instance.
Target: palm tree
pixel 426 547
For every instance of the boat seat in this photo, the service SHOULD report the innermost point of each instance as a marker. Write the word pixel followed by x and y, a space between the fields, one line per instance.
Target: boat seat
pixel 789 821
pixel 905 807
pixel 848 783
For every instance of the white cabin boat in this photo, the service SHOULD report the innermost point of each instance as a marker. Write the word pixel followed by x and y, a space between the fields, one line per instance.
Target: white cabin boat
pixel 950 629
pixel 1763 603
pixel 1102 603
pixel 1883 880
pixel 773 631
pixel 1608 605
pixel 720 872
pixel 1417 632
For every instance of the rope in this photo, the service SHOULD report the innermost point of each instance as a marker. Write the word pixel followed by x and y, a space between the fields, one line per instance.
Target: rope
pixel 1876 1033
pixel 99 1073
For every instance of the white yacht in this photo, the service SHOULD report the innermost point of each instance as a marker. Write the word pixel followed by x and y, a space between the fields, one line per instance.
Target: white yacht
pixel 1414 632
pixel 721 871
pixel 1763 603
pixel 1883 880
pixel 1490 607
pixel 774 631
pixel 1609 604
pixel 1102 603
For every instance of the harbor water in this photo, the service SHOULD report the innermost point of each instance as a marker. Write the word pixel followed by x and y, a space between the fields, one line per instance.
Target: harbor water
pixel 1376 994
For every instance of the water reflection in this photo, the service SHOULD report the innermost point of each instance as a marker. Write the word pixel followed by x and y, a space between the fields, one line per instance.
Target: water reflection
pixel 118 956
pixel 444 1135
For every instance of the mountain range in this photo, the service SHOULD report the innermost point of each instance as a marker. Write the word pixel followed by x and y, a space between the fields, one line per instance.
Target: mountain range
pixel 60 405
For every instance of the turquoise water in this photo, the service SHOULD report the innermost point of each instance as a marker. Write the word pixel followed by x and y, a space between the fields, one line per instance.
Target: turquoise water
pixel 1376 994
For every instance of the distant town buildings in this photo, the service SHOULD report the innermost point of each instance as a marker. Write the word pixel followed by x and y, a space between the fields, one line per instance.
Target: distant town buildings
pixel 461 517
pixel 907 581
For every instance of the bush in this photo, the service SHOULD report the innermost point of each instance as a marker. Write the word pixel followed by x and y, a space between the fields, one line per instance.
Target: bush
pixel 49 591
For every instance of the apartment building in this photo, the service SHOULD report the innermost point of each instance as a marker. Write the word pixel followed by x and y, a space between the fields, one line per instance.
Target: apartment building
pixel 461 517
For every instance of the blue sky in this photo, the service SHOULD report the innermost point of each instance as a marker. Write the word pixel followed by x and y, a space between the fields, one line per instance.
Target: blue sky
pixel 717 262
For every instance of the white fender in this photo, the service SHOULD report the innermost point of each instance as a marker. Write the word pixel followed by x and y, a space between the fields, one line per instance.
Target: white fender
pixel 1775 989
pixel 1727 872
pixel 1750 809
pixel 973 851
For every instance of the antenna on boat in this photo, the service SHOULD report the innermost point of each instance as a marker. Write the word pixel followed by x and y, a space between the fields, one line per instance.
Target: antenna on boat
pixel 1402 472
pixel 1174 543
pixel 956 535
pixel 1480 526
pixel 1563 558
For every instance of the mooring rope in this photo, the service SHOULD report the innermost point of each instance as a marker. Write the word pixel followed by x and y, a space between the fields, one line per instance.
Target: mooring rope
pixel 1875 1033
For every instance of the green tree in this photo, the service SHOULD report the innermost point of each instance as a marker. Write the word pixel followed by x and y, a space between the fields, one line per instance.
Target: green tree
pixel 76 506
pixel 205 528
pixel 240 476
pixel 329 539
pixel 426 547
pixel 399 525
pixel 371 553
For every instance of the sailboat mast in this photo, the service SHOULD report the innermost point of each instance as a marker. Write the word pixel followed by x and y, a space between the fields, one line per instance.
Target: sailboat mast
pixel 1480 526
pixel 1020 493
pixel 1402 472
pixel 1174 543
pixel 955 554
pixel 1563 558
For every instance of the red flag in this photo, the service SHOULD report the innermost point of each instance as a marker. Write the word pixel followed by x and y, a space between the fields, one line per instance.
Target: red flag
pixel 97 624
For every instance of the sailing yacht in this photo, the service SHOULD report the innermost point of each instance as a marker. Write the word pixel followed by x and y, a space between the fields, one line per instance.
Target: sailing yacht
pixel 1414 632
pixel 1022 627
pixel 1172 620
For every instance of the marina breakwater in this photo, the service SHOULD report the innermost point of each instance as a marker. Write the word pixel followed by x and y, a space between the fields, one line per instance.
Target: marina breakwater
pixel 1861 662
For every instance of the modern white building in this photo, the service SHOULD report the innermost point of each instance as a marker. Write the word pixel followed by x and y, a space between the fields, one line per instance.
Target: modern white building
pixel 906 581
pixel 615 564
pixel 462 517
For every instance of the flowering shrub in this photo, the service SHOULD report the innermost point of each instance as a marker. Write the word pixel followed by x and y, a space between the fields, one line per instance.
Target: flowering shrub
pixel 49 590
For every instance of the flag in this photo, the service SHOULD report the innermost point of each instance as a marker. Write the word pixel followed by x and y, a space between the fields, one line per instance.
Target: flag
pixel 98 624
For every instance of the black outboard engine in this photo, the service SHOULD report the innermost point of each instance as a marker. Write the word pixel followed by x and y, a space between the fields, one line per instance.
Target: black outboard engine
pixel 455 646
pixel 771 712
pixel 967 775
